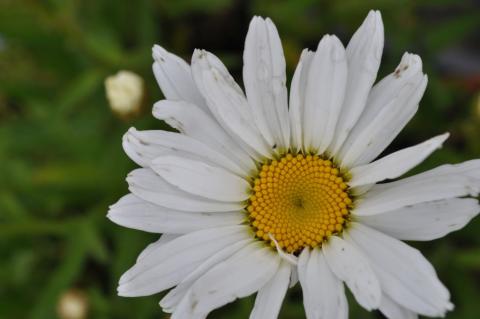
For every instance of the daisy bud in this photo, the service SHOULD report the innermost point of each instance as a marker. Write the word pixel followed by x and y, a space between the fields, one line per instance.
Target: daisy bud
pixel 72 304
pixel 125 92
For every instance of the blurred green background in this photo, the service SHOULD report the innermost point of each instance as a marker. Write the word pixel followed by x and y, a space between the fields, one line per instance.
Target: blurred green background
pixel 61 161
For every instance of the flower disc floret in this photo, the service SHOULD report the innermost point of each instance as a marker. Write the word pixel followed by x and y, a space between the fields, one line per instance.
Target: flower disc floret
pixel 298 200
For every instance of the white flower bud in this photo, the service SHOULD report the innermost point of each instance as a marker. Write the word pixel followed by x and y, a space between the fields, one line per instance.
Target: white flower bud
pixel 125 92
pixel 72 304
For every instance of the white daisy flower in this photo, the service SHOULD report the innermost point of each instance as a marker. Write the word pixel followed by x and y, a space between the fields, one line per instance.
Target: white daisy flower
pixel 261 190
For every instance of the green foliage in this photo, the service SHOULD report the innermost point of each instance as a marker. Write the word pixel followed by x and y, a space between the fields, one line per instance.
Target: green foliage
pixel 60 145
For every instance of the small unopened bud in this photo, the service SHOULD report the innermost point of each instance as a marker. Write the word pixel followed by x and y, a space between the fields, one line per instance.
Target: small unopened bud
pixel 73 304
pixel 125 92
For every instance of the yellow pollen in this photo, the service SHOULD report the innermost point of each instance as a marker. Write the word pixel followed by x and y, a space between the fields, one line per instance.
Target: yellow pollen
pixel 299 200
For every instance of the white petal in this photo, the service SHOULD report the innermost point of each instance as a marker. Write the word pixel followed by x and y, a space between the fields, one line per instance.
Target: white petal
pixel 183 310
pixel 469 168
pixel 147 185
pixel 290 258
pixel 270 297
pixel 145 146
pixel 323 293
pixel 264 79
pixel 364 52
pixel 175 296
pixel 443 182
pixel 133 212
pixel 168 264
pixel 395 164
pixel 351 266
pixel 201 178
pixel 293 277
pixel 405 275
pixel 190 120
pixel 297 99
pixel 164 238
pixel 174 77
pixel 425 221
pixel 228 103
pixel 391 104
pixel 393 310
pixel 241 275
pixel 324 94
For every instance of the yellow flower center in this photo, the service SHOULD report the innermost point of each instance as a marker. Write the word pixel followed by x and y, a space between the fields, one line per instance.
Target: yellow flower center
pixel 299 200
